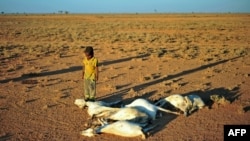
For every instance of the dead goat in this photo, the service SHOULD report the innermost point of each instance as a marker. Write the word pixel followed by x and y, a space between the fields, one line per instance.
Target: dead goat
pixel 196 103
pixel 187 104
pixel 121 128
pixel 145 106
pixel 125 113
pixel 81 103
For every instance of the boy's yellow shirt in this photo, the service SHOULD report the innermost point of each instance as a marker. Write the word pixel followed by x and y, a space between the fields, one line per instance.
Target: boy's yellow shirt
pixel 90 68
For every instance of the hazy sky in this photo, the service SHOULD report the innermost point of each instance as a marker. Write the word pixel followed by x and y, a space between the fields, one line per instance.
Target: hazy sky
pixel 124 6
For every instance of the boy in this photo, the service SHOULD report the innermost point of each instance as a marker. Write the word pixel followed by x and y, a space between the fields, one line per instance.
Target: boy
pixel 90 74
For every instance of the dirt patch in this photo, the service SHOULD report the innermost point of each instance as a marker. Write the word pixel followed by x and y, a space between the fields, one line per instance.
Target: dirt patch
pixel 149 56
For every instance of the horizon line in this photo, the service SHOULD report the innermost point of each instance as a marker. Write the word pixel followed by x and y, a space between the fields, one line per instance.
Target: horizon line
pixel 136 13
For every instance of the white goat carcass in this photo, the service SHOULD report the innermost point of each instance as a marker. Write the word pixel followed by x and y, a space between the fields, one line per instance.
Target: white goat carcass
pixel 187 104
pixel 145 106
pixel 196 103
pixel 125 113
pixel 81 103
pixel 121 128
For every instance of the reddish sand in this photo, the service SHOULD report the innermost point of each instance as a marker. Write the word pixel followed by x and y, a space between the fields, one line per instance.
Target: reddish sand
pixel 149 56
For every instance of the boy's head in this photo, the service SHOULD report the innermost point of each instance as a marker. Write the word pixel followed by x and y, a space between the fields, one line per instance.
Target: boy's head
pixel 89 52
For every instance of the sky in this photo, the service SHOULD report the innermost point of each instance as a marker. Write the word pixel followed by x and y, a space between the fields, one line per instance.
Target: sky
pixel 125 6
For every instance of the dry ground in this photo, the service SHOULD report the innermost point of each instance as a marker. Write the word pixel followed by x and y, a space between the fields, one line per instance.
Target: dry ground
pixel 149 56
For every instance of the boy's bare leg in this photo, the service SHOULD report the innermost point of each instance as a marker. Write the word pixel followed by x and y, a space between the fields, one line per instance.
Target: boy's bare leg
pixel 92 91
pixel 86 89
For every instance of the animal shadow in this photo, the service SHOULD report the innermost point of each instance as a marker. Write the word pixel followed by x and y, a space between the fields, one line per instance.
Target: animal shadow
pixel 6 137
pixel 246 109
pixel 117 97
pixel 161 123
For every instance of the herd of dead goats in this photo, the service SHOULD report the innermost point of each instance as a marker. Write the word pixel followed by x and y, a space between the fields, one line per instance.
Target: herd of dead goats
pixel 133 119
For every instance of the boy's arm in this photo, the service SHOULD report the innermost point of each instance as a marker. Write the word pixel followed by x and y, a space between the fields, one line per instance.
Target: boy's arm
pixel 82 74
pixel 83 71
pixel 96 73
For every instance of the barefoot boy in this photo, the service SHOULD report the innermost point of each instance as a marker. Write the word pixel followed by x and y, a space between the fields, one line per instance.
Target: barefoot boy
pixel 90 74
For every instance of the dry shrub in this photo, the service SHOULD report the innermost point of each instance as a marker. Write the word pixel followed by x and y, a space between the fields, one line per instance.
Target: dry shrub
pixel 133 93
pixel 219 99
